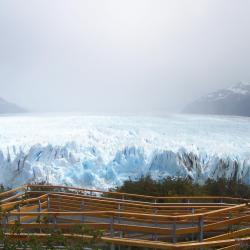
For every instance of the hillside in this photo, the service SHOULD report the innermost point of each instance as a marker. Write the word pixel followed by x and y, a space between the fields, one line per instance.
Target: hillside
pixel 7 107
pixel 231 101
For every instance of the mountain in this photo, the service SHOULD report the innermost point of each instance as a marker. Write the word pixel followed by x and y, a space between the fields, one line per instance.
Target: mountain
pixel 7 107
pixel 231 101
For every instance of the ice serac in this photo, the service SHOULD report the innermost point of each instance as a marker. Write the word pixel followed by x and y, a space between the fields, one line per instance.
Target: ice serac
pixel 103 151
pixel 72 164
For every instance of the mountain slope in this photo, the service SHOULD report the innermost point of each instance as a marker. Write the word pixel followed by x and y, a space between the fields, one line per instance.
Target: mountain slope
pixel 231 101
pixel 7 107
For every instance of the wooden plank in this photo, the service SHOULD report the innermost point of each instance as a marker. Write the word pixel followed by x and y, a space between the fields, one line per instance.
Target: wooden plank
pixel 139 217
pixel 10 205
pixel 156 205
pixel 139 196
pixel 140 243
pixel 13 191
pixel 224 223
pixel 12 198
pixel 232 247
pixel 26 208
pixel 118 227
pixel 149 216
pixel 238 233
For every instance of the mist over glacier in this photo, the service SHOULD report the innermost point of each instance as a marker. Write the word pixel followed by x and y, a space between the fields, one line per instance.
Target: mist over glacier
pixel 103 151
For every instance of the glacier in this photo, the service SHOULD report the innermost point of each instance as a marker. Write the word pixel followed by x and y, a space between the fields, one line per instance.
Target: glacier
pixel 98 151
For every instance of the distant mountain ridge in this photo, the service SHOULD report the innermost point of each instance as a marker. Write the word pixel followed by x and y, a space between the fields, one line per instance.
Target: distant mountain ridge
pixel 7 107
pixel 234 100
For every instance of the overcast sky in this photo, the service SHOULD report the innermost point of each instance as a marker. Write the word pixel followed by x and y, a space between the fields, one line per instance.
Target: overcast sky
pixel 120 55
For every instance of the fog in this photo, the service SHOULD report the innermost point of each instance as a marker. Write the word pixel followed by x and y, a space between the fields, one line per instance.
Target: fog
pixel 120 56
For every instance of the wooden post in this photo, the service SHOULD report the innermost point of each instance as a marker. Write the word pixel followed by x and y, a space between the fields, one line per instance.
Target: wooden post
pixel 19 216
pixel 48 201
pixel 5 221
pixel 82 208
pixel 111 226
pixel 48 207
pixel 112 247
pixel 39 216
pixel 119 210
pixel 119 219
pixel 201 225
pixel 193 211
pixel 230 216
pixel 39 206
pixel 27 189
pixel 174 232
pixel 60 202
pixel 155 236
pixel 55 221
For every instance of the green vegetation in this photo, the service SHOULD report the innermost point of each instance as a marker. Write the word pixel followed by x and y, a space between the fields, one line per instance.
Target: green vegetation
pixel 2 188
pixel 54 240
pixel 184 186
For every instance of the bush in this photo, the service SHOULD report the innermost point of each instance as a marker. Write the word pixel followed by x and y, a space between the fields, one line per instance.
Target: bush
pixel 184 186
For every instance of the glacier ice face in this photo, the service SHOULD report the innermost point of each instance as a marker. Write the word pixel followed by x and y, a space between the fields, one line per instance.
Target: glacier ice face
pixel 103 151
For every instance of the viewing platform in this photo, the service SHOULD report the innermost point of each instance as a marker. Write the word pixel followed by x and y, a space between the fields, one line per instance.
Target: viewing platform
pixel 180 222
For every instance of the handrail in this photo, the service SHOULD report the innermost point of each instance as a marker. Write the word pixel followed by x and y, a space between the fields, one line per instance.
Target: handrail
pixel 148 229
pixel 138 215
pixel 13 190
pixel 11 198
pixel 117 202
pixel 141 204
pixel 138 195
pixel 14 203
pixel 139 243
pixel 237 233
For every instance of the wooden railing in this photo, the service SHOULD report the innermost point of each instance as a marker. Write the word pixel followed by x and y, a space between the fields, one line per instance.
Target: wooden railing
pixel 121 195
pixel 145 222
pixel 146 243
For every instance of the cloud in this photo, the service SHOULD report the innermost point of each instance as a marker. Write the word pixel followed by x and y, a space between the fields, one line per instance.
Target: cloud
pixel 131 56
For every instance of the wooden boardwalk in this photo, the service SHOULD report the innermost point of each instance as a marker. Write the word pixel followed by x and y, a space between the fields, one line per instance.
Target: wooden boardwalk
pixel 129 219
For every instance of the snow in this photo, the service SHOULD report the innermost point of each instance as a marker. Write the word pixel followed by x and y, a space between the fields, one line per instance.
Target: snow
pixel 241 88
pixel 103 151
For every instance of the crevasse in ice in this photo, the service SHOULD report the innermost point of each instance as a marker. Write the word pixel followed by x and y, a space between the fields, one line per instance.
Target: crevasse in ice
pixel 103 151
